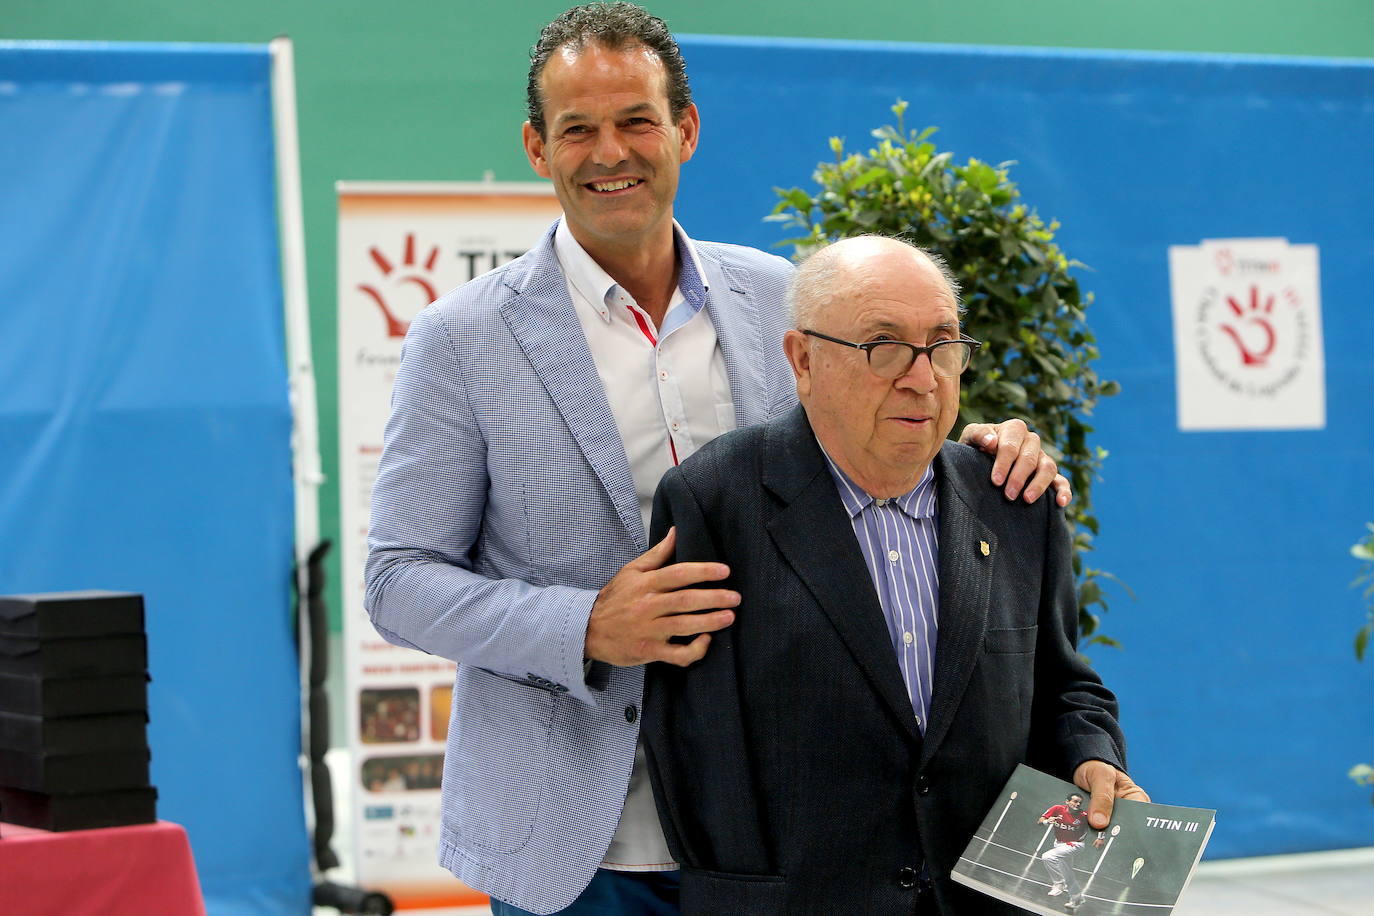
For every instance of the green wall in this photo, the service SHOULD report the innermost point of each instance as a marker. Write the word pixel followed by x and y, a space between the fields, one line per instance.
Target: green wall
pixel 422 90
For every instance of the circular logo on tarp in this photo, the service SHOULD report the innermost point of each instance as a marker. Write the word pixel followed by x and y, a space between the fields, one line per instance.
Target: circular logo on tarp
pixel 1252 330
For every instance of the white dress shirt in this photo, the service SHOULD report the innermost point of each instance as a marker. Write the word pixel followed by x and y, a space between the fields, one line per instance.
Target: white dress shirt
pixel 669 394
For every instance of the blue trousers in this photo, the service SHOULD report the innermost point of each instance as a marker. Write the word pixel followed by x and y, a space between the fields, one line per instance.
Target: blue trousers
pixel 616 893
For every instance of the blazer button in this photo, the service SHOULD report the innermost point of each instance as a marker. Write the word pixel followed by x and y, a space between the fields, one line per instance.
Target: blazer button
pixel 631 714
pixel 922 785
pixel 907 877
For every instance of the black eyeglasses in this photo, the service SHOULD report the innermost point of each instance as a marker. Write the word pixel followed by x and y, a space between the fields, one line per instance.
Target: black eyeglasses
pixel 893 358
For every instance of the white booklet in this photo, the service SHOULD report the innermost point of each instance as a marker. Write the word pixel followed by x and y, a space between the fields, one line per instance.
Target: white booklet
pixel 1036 850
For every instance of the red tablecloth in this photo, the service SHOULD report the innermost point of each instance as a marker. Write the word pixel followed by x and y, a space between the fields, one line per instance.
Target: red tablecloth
pixel 116 871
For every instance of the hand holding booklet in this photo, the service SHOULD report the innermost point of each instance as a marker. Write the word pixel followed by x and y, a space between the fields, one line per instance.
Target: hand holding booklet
pixel 1036 850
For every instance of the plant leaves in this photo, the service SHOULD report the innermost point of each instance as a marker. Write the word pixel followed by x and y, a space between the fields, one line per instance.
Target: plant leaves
pixel 867 178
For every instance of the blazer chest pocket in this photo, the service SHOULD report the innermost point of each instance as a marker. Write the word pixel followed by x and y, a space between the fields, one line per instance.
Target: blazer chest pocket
pixel 1010 641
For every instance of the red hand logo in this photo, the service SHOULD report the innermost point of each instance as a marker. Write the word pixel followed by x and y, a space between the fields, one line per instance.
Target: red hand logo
pixel 1251 355
pixel 396 327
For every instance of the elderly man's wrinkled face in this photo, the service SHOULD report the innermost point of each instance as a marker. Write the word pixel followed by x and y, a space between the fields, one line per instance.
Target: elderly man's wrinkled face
pixel 882 432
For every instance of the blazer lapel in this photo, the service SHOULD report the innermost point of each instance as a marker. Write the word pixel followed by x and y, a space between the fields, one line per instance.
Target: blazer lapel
pixel 814 535
pixel 735 316
pixel 965 587
pixel 541 316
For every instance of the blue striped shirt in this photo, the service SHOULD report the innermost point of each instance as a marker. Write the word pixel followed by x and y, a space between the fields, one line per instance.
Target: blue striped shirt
pixel 900 547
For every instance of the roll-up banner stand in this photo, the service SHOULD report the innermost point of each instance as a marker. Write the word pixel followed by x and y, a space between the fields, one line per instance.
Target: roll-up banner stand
pixel 402 245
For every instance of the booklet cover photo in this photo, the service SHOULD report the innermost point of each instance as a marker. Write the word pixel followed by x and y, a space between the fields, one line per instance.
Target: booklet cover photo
pixel 1036 850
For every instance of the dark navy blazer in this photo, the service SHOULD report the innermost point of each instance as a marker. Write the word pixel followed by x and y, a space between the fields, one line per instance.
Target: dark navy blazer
pixel 790 774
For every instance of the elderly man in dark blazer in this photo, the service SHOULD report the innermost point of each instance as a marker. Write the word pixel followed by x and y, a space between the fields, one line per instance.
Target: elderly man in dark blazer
pixel 906 635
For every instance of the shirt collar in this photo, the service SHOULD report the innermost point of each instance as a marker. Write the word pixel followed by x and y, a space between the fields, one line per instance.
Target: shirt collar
pixel 596 286
pixel 918 502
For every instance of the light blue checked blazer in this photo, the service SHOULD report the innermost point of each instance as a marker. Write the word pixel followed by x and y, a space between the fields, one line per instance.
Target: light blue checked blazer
pixel 503 503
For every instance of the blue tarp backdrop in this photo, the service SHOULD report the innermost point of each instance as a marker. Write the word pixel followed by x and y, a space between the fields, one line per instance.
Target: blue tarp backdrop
pixel 1238 685
pixel 145 421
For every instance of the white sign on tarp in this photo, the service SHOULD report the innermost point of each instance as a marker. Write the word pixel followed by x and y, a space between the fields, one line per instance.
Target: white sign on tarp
pixel 402 245
pixel 1248 335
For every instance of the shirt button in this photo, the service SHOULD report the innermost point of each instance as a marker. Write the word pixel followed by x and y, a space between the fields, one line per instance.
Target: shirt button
pixel 906 877
pixel 675 427
pixel 880 503
pixel 631 714
pixel 893 555
pixel 663 375
pixel 922 785
pixel 908 638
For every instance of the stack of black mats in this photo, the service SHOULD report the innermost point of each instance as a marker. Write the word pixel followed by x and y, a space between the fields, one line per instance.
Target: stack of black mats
pixel 74 711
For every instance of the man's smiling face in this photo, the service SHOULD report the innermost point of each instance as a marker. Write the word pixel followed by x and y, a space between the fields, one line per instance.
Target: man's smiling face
pixel 612 149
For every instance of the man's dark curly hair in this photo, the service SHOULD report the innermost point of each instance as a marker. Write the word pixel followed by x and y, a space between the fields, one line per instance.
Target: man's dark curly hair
pixel 617 27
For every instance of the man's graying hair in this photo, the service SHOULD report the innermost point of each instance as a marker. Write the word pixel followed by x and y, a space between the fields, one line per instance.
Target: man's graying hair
pixel 616 27
pixel 819 280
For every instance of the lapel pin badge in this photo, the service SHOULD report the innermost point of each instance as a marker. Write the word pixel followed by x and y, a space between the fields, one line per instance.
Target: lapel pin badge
pixel 983 548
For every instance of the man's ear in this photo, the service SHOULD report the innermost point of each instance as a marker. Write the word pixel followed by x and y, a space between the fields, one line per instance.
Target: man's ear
pixel 534 149
pixel 689 127
pixel 797 346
